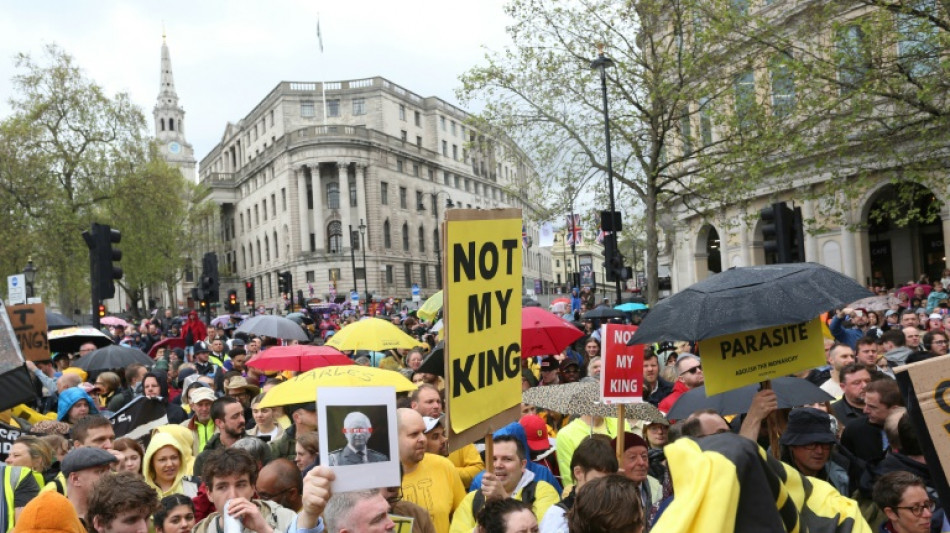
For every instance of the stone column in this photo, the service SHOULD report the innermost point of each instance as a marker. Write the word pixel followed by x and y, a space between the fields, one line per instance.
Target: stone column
pixel 745 253
pixel 304 225
pixel 811 243
pixel 848 262
pixel 361 197
pixel 318 215
pixel 344 179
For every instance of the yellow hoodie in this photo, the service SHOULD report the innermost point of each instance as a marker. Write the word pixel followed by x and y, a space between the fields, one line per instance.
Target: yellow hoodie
pixel 186 441
pixel 159 441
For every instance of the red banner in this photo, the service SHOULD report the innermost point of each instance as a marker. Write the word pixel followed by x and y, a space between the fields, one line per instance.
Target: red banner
pixel 621 375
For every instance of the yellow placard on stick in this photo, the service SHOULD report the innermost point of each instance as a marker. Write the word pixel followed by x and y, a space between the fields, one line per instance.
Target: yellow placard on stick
pixel 740 359
pixel 482 320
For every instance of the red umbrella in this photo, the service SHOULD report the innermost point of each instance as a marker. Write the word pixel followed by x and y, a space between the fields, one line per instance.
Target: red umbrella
pixel 169 344
pixel 544 333
pixel 299 358
pixel 561 301
pixel 909 290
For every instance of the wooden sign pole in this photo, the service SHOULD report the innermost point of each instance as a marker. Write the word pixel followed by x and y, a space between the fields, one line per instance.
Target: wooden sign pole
pixel 621 429
pixel 772 425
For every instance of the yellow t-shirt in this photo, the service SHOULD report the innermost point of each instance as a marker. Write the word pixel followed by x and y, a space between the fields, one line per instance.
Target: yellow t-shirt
pixel 434 485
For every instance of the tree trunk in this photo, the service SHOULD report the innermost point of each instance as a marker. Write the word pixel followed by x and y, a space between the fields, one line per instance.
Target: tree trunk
pixel 653 277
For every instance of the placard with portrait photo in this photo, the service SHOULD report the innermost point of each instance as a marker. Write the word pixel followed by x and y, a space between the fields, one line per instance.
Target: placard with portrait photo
pixel 358 436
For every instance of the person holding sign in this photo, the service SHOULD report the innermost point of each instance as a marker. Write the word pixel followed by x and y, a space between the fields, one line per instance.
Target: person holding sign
pixel 510 479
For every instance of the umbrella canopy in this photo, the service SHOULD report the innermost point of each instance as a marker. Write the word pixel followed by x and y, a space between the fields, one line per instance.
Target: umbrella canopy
pixel 304 388
pixel 630 307
pixel 224 320
pixel 544 333
pixel 170 343
pixel 373 334
pixel 876 303
pixel 70 339
pixel 300 318
pixel 431 307
pixel 528 302
pixel 909 289
pixel 57 321
pixel 111 357
pixel 603 313
pixel 113 321
pixel 298 358
pixel 747 298
pixel 434 363
pixel 274 326
pixel 583 398
pixel 561 301
pixel 791 392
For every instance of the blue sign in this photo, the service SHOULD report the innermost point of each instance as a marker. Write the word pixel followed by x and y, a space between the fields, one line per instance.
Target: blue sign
pixel 355 296
pixel 415 289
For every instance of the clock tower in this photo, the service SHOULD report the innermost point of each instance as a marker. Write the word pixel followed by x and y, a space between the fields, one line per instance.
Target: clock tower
pixel 170 122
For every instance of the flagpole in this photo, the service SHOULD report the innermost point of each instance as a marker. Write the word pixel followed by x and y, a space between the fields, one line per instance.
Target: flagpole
pixel 323 85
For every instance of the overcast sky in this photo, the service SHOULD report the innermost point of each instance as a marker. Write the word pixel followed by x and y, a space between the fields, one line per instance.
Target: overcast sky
pixel 227 55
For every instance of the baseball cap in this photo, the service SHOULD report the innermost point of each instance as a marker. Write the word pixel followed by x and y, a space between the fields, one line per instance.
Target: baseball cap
pixel 890 312
pixel 536 431
pixel 431 422
pixel 936 316
pixel 85 457
pixel 200 394
pixel 549 363
pixel 568 362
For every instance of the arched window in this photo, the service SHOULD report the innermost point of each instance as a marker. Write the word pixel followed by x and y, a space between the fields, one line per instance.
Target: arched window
pixel 405 237
pixel 333 195
pixel 266 249
pixel 387 238
pixel 276 246
pixel 422 239
pixel 335 237
pixel 171 124
pixel 162 122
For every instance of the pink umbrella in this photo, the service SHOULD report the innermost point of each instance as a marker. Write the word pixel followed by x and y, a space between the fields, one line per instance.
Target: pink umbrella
pixel 561 301
pixel 909 290
pixel 169 344
pixel 299 358
pixel 544 333
pixel 113 321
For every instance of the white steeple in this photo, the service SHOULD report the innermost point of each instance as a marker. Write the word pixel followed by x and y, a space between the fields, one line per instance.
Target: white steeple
pixel 170 120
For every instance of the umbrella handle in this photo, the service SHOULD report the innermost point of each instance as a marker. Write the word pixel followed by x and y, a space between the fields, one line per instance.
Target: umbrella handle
pixel 772 425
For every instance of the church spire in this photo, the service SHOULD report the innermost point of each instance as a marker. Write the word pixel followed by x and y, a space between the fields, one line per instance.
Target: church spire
pixel 166 92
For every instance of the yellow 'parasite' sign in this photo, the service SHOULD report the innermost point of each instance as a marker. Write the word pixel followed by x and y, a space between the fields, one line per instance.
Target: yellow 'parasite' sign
pixel 482 314
pixel 740 359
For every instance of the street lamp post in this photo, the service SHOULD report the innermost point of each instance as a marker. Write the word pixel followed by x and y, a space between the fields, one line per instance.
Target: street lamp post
pixel 363 246
pixel 601 63
pixel 29 274
pixel 438 246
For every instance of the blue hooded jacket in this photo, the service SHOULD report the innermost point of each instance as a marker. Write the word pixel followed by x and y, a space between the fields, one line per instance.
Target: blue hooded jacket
pixel 69 397
pixel 540 472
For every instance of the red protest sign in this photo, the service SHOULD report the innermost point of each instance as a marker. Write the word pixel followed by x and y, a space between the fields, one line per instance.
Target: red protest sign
pixel 621 374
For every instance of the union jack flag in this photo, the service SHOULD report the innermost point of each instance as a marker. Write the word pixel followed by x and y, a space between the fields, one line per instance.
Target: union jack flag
pixel 574 234
pixel 601 235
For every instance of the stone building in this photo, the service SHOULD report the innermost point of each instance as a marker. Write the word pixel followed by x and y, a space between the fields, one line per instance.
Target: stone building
pixel 343 185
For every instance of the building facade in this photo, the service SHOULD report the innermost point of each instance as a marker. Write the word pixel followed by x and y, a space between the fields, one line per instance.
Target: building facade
pixel 344 184
pixel 584 262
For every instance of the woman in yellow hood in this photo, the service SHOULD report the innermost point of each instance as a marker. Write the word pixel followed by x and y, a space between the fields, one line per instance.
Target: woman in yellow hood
pixel 186 441
pixel 164 466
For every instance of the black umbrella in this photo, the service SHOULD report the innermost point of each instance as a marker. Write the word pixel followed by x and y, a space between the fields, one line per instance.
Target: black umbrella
pixel 434 363
pixel 790 392
pixel 57 321
pixel 528 302
pixel 110 357
pixel 747 298
pixel 274 326
pixel 603 313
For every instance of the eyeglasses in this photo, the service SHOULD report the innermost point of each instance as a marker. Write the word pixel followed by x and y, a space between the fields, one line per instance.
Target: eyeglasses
pixel 812 446
pixel 268 496
pixel 697 368
pixel 939 342
pixel 918 509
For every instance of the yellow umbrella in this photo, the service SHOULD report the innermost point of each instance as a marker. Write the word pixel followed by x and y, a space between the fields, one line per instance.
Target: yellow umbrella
pixel 304 387
pixel 372 334
pixel 431 307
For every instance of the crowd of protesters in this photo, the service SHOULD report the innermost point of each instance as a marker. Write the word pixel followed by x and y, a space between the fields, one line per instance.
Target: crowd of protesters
pixel 222 454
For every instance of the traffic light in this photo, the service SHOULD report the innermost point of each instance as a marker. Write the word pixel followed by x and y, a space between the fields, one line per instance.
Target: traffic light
pixel 233 305
pixel 285 282
pixel 209 277
pixel 103 273
pixel 249 293
pixel 101 311
pixel 783 235
pixel 203 304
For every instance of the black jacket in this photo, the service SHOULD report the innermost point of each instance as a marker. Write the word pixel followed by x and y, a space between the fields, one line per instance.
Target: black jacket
pixel 663 389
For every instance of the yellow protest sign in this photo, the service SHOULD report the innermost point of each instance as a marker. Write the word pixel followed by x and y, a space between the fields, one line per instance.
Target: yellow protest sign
pixel 740 359
pixel 482 317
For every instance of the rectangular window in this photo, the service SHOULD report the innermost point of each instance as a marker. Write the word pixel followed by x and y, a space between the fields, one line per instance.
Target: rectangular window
pixel 359 106
pixel 272 118
pixel 920 42
pixel 442 122
pixel 423 276
pixel 283 200
pixel 705 121
pixel 402 112
pixel 404 135
pixel 455 152
pixel 419 141
pixel 333 108
pixel 407 273
pixel 351 182
pixel 455 181
pixel 420 205
pixel 389 274
pixel 415 169
pixel 306 109
pixel 445 148
pixel 431 175
pixel 384 193
pixel 453 127
pixel 313 242
pixel 402 197
pixel 447 178
pixel 310 276
pixel 783 86
pixel 686 134
pixel 418 116
pixel 399 165
pixel 744 86
pixel 853 57
pixel 273 205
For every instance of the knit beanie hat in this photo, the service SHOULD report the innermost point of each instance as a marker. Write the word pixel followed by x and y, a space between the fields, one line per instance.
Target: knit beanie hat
pixel 50 512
